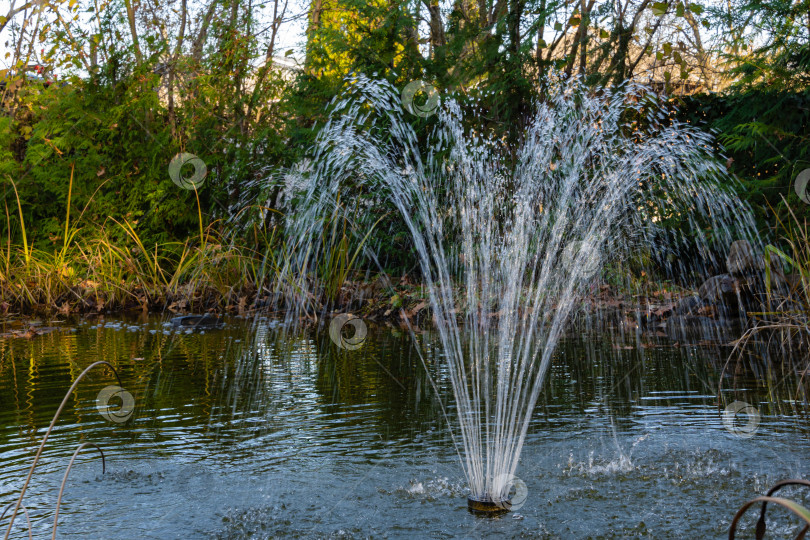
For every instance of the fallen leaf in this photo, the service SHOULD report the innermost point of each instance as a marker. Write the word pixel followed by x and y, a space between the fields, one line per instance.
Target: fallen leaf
pixel 664 310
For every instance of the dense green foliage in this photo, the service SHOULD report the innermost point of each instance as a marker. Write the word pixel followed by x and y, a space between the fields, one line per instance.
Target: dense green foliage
pixel 141 82
pixel 764 133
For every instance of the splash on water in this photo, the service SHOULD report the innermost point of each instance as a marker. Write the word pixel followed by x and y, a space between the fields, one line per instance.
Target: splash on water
pixel 430 489
pixel 593 467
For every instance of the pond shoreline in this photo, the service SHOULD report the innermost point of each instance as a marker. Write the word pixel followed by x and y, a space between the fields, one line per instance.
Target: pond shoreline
pixel 663 311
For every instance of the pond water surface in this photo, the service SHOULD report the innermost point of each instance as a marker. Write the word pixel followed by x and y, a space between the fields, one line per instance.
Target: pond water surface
pixel 250 432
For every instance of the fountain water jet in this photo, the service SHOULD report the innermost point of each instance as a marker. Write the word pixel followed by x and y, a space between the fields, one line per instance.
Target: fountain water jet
pixel 506 250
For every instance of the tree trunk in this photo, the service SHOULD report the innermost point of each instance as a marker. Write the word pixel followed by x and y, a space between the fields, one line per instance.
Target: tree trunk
pixel 579 38
pixel 134 31
pixel 312 29
pixel 538 57
pixel 583 40
pixel 436 26
pixel 172 68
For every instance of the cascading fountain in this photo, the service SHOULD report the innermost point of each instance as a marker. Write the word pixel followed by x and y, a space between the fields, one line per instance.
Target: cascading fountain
pixel 507 241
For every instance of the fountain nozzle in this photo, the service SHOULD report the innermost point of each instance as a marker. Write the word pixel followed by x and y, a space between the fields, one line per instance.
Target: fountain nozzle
pixel 486 506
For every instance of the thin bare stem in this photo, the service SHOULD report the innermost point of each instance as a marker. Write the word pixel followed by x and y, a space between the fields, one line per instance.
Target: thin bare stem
pixel 47 433
pixel 64 480
pixel 793 507
pixel 27 517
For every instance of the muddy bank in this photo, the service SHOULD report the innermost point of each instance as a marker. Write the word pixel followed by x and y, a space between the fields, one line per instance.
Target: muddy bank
pixel 718 311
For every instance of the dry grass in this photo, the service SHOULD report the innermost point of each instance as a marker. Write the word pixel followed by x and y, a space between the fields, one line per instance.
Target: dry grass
pixel 777 346
pixel 94 270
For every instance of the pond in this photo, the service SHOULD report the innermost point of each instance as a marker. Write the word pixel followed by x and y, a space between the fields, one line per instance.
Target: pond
pixel 250 431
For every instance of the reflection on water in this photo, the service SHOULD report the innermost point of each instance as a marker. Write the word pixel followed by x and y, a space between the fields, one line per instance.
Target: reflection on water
pixel 247 432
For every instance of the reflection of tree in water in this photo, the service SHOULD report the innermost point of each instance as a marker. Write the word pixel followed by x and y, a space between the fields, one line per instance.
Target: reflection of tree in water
pixel 247 381
pixel 766 374
pixel 386 373
pixel 164 372
pixel 599 372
